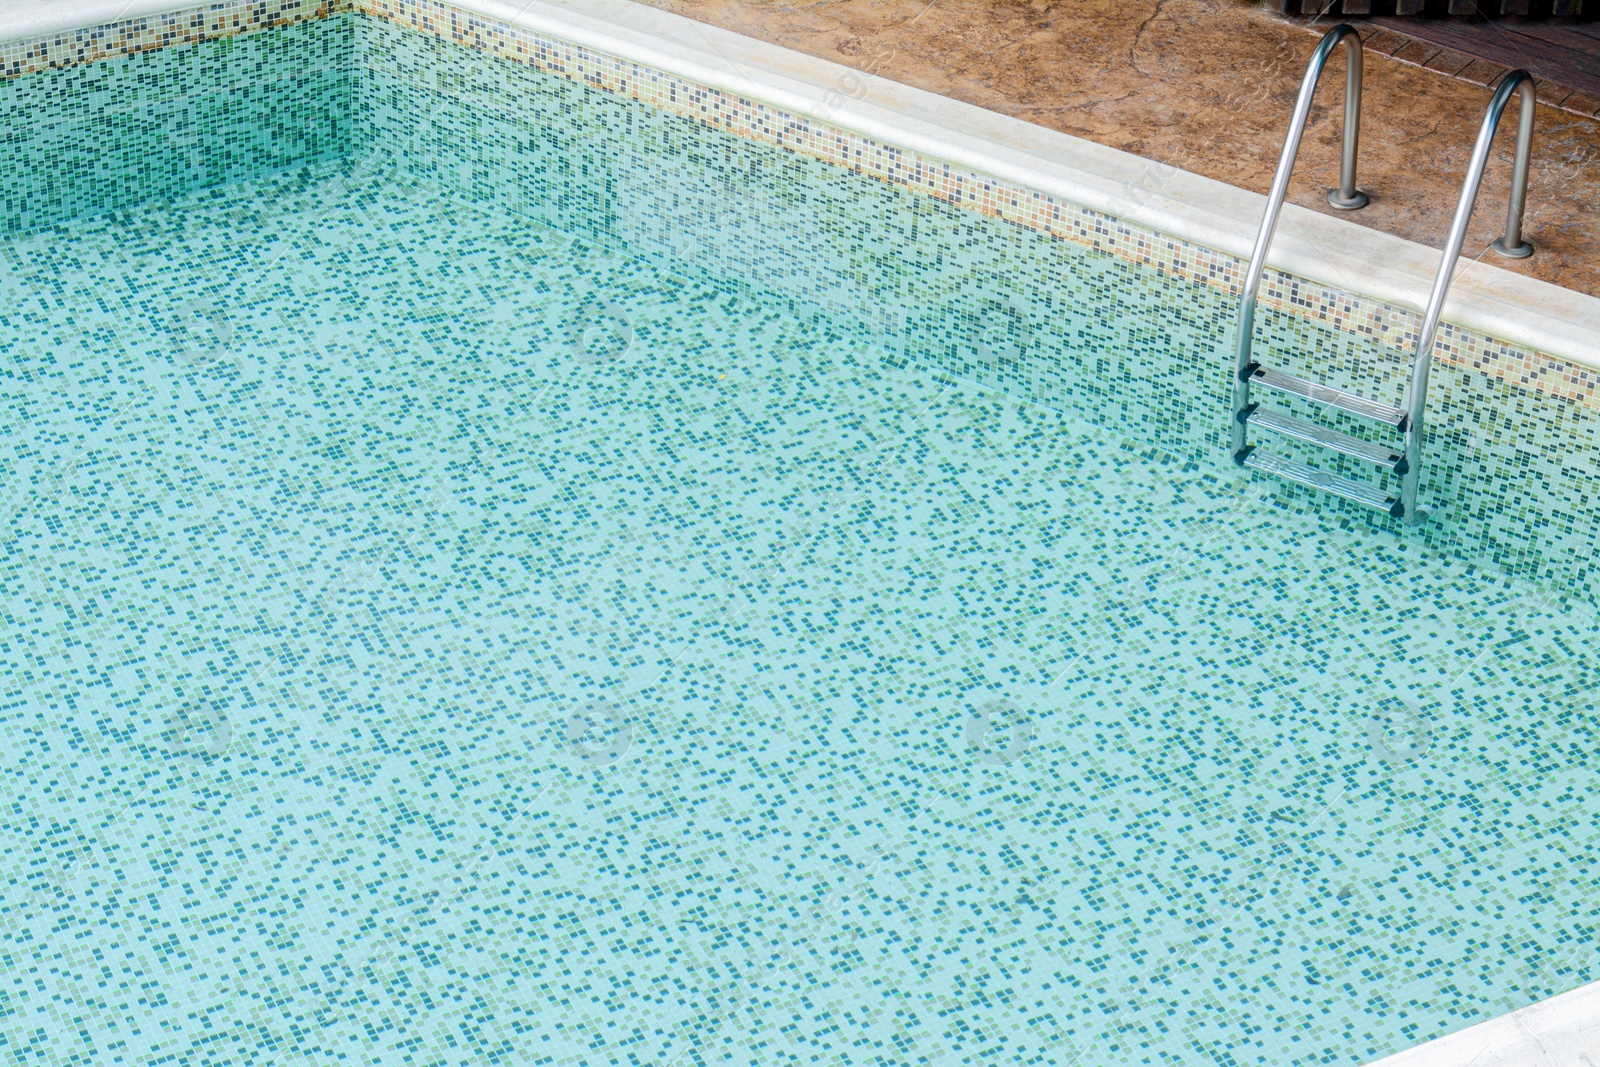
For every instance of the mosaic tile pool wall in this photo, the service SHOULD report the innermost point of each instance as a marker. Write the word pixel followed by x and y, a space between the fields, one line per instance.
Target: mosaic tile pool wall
pixel 95 137
pixel 451 616
pixel 1512 461
pixel 1511 468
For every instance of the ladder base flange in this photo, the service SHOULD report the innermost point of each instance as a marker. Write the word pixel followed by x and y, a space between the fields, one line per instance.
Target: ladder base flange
pixel 1355 203
pixel 1522 251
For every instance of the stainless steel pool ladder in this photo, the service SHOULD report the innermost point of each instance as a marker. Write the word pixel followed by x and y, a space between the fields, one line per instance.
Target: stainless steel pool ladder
pixel 1403 460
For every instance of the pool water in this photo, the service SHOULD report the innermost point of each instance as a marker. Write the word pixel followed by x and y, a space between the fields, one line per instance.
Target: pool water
pixel 437 636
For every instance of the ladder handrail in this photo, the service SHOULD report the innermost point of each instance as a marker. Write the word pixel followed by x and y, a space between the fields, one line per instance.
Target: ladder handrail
pixel 1347 197
pixel 1512 244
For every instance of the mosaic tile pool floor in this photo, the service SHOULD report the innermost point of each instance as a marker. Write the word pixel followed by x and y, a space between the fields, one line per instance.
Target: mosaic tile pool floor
pixel 595 664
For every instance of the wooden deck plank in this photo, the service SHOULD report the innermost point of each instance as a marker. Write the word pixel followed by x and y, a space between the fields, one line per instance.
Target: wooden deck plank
pixel 1560 33
pixel 1567 53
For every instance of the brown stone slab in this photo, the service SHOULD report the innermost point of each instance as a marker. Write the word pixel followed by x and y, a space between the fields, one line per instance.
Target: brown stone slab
pixel 1383 41
pixel 1482 72
pixel 1553 94
pixel 1584 103
pixel 1416 52
pixel 1447 62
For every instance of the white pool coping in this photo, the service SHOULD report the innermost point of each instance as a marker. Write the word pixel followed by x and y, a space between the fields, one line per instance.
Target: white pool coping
pixel 1563 1031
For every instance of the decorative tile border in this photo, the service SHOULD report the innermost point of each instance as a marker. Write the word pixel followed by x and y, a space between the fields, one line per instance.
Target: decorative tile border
pixel 142 34
pixel 1394 327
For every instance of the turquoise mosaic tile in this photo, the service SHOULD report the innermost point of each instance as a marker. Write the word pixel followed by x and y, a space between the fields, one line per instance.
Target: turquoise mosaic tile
pixel 102 136
pixel 1131 349
pixel 480 600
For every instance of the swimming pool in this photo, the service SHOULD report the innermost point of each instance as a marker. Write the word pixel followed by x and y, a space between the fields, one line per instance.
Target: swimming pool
pixel 505 573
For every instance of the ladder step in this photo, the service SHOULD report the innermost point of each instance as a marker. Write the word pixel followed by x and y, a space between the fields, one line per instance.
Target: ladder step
pixel 1310 432
pixel 1294 471
pixel 1327 394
